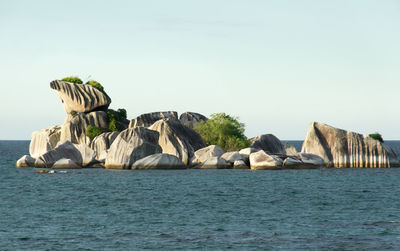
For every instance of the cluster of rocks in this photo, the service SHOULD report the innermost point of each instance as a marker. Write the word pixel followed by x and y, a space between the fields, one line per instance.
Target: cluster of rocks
pixel 164 140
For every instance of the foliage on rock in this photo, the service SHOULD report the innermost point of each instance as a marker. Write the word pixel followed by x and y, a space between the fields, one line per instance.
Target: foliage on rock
pixel 73 79
pixel 376 136
pixel 114 117
pixel 224 131
pixel 93 131
pixel 96 85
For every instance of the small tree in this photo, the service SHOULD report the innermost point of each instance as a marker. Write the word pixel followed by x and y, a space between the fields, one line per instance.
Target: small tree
pixel 93 131
pixel 377 136
pixel 224 131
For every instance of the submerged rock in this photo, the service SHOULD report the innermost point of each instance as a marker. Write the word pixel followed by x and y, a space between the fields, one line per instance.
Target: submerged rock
pixel 131 145
pixel 26 161
pixel 147 119
pixel 159 161
pixel 189 119
pixel 269 143
pixel 80 97
pixel 341 148
pixel 44 140
pixel 177 139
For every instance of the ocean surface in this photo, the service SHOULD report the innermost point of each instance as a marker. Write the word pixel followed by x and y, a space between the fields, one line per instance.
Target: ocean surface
pixel 97 209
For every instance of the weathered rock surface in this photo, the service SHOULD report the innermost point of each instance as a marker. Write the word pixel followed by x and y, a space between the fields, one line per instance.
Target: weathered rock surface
pixel 148 119
pixel 341 148
pixel 80 97
pixel 240 164
pixel 131 145
pixel 215 163
pixel 289 149
pixel 177 139
pixel 269 143
pixel 311 159
pixel 80 154
pixel 65 164
pixel 102 143
pixel 231 157
pixel 26 161
pixel 206 153
pixel 159 161
pixel 189 119
pixel 263 161
pixel 75 126
pixel 44 140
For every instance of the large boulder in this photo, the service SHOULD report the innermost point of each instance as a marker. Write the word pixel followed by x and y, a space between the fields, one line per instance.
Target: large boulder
pixel 159 161
pixel 231 157
pixel 215 163
pixel 131 145
pixel 189 119
pixel 269 143
pixel 100 144
pixel 263 161
pixel 206 153
pixel 74 128
pixel 80 97
pixel 81 155
pixel 66 164
pixel 44 140
pixel 177 139
pixel 26 161
pixel 341 148
pixel 148 119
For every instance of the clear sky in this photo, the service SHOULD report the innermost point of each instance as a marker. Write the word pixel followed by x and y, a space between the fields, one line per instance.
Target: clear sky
pixel 277 65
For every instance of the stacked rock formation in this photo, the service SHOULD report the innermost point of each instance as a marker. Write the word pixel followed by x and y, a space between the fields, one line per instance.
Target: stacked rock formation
pixel 341 148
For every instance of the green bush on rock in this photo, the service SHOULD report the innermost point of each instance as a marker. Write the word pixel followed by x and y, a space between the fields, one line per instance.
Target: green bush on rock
pixel 114 117
pixel 376 136
pixel 224 131
pixel 96 85
pixel 73 79
pixel 93 131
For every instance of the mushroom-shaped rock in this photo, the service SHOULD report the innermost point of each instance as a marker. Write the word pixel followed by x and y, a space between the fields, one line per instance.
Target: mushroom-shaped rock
pixel 26 161
pixel 100 144
pixel 189 119
pixel 44 140
pixel 240 164
pixel 80 154
pixel 177 139
pixel 215 163
pixel 66 164
pixel 148 119
pixel 159 161
pixel 74 128
pixel 231 157
pixel 263 161
pixel 341 148
pixel 290 150
pixel 205 153
pixel 80 97
pixel 269 143
pixel 131 145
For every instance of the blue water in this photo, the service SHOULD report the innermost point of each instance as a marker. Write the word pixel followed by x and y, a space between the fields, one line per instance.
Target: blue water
pixel 97 209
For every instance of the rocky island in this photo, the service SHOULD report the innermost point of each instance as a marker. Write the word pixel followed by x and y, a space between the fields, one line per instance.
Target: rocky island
pixel 95 136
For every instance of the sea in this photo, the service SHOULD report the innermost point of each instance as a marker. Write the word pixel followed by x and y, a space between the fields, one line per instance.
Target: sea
pixel 98 209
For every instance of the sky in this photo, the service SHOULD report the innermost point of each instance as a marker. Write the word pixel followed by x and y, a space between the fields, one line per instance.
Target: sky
pixel 276 65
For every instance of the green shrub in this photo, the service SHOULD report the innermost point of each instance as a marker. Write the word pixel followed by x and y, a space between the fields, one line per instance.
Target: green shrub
pixel 224 131
pixel 93 131
pixel 73 79
pixel 114 117
pixel 96 85
pixel 376 136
